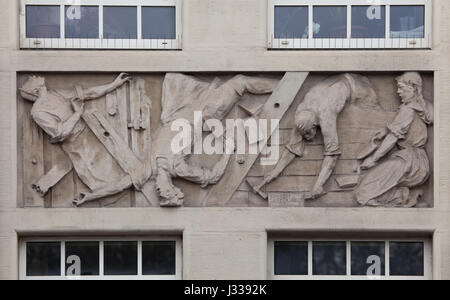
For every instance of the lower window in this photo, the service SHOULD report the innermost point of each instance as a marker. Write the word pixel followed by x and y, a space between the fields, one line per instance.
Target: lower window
pixel 349 259
pixel 112 258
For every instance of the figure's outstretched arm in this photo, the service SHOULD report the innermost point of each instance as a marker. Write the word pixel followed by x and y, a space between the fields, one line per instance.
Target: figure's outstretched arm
pixel 387 145
pixel 100 91
pixel 286 159
pixel 328 165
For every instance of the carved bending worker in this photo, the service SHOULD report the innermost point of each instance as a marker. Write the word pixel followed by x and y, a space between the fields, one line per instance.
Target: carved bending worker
pixel 61 114
pixel 321 108
pixel 395 182
pixel 182 96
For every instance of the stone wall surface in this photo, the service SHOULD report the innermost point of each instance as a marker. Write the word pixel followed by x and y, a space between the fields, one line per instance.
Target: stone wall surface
pixel 223 38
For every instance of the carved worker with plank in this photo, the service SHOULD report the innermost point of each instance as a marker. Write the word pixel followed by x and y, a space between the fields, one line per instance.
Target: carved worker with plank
pixel 98 156
pixel 320 109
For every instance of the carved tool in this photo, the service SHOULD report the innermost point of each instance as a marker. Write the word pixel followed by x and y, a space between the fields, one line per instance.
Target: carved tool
pixel 257 189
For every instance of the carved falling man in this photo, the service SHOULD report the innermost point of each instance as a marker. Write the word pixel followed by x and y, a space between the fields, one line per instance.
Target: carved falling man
pixel 182 96
pixel 103 162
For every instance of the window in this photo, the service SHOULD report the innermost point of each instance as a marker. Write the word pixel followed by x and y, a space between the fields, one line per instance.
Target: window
pixel 349 24
pixel 88 258
pixel 101 24
pixel 349 259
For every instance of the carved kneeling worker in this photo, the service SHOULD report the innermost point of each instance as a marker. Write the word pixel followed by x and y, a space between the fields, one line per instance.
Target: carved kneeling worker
pixel 395 182
pixel 61 114
pixel 320 109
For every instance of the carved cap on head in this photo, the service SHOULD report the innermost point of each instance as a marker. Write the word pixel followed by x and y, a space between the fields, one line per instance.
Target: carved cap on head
pixel 32 86
pixel 413 78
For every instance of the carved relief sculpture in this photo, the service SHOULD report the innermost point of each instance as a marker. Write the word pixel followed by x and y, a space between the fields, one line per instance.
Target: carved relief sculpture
pixel 320 109
pixel 395 181
pixel 112 147
pixel 105 165
pixel 182 96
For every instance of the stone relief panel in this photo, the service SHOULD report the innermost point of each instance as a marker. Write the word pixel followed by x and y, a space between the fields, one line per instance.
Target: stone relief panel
pixel 344 140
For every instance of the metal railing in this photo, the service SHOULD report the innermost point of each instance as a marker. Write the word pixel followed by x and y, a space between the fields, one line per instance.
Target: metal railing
pixel 403 42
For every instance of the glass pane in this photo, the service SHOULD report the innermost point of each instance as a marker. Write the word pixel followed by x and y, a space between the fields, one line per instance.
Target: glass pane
pixel 120 22
pixel 330 22
pixel 369 21
pixel 407 21
pixel 329 258
pixel 291 258
pixel 406 259
pixel 43 21
pixel 158 258
pixel 120 258
pixel 368 258
pixel 291 22
pixel 158 22
pixel 43 259
pixel 88 257
pixel 82 22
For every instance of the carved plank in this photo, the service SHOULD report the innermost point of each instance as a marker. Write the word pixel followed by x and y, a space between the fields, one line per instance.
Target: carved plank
pixel 286 200
pixel 293 184
pixel 62 193
pixel 112 141
pixel 117 116
pixel 334 199
pixel 33 159
pixel 275 108
pixel 141 140
pixel 80 187
pixel 111 104
pixel 239 199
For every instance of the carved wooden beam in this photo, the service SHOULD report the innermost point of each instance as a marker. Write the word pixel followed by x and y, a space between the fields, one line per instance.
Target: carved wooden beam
pixel 275 108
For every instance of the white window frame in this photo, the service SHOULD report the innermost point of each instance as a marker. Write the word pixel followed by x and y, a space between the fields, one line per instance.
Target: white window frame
pixel 101 43
pixel 428 261
pixel 349 43
pixel 139 240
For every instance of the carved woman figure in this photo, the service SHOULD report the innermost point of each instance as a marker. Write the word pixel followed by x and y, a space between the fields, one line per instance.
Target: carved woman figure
pixel 395 181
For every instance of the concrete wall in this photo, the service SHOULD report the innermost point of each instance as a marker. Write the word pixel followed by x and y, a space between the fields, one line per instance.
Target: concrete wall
pixel 222 243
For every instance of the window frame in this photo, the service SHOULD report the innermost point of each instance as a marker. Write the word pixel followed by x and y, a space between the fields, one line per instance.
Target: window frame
pixel 349 42
pixel 101 43
pixel 428 261
pixel 178 258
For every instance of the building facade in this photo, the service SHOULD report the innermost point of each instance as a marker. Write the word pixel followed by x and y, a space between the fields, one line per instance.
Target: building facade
pixel 90 184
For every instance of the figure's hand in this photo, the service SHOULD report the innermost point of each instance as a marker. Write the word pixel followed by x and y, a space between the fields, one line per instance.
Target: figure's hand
pixel 77 105
pixel 80 200
pixel 121 79
pixel 368 163
pixel 317 192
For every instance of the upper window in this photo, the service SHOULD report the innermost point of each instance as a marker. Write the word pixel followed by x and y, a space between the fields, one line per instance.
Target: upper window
pixel 101 24
pixel 113 258
pixel 349 259
pixel 349 24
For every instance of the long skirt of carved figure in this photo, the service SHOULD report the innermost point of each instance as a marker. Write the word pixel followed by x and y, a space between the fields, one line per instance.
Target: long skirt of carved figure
pixel 395 182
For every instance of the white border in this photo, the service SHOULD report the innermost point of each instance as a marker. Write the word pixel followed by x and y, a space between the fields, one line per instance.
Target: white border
pixel 102 240
pixel 428 260
pixel 139 43
pixel 349 43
